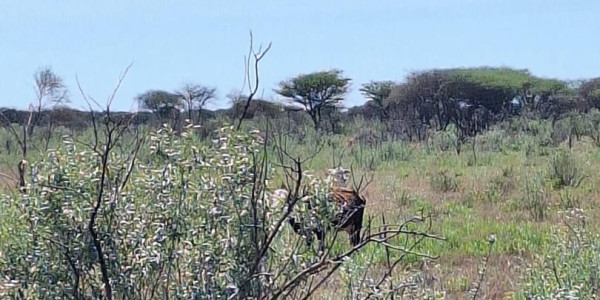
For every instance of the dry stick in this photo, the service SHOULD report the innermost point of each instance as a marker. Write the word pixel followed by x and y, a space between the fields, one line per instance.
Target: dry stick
pixel 93 216
pixel 295 196
pixel 387 254
pixel 327 276
pixel 289 259
pixel 71 263
pixel 257 57
pixel 263 181
pixel 26 130
pixel 474 150
pixel 23 143
pixel 93 233
pixel 397 261
pixel 75 274
pixel 364 278
pixel 278 225
pixel 317 267
pixel 482 272
pixel 13 131
pixel 92 115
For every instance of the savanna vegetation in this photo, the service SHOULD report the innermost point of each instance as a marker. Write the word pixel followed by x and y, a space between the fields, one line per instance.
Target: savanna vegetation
pixel 480 183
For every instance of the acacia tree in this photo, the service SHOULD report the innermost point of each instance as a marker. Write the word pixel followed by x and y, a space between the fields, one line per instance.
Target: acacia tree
pixel 195 96
pixel 159 101
pixel 377 92
pixel 316 92
pixel 165 105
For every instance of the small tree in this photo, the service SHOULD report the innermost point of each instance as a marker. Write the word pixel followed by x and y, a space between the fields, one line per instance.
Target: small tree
pixel 377 92
pixel 251 62
pixel 316 92
pixel 195 96
pixel 49 89
pixel 159 101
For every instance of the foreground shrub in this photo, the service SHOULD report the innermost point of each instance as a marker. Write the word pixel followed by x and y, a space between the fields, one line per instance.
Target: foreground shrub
pixel 185 221
pixel 570 268
pixel 165 222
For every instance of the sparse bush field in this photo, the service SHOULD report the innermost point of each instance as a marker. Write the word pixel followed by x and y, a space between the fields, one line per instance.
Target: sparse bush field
pixel 518 197
pixel 464 201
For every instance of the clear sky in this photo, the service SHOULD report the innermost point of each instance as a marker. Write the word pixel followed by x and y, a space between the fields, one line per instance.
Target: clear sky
pixel 172 42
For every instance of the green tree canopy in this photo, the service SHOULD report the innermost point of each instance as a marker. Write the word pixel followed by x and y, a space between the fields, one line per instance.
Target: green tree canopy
pixel 316 91
pixel 377 92
pixel 489 86
pixel 494 86
pixel 159 100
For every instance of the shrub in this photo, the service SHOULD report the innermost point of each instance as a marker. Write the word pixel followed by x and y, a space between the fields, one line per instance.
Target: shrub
pixel 493 141
pixel 564 170
pixel 395 151
pixel 172 224
pixel 443 181
pixel 536 200
pixel 443 140
pixel 568 200
pixel 571 267
pixel 502 184
pixel 185 220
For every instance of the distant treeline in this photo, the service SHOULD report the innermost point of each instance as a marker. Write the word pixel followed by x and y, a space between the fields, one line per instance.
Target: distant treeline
pixel 471 99
pixel 79 119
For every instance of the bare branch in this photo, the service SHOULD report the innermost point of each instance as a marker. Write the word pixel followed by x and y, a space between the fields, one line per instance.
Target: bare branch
pixel 257 56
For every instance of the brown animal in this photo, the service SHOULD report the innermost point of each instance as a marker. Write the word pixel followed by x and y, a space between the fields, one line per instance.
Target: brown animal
pixel 21 167
pixel 349 218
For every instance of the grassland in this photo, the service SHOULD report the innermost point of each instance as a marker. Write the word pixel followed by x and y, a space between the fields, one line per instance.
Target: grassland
pixel 513 186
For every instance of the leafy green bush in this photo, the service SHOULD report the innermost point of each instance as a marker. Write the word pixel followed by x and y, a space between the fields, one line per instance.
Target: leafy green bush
pixel 443 140
pixel 536 200
pixel 494 141
pixel 564 170
pixel 571 267
pixel 443 181
pixel 164 225
pixel 184 220
pixel 395 151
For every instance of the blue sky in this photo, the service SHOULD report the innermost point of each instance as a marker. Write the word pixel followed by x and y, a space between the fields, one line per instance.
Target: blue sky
pixel 172 42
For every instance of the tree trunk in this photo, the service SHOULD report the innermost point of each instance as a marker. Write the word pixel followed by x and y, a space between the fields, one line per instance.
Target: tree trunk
pixel 315 120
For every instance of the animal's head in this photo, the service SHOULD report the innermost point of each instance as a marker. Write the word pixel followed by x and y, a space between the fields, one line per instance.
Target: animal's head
pixel 339 175
pixel 22 165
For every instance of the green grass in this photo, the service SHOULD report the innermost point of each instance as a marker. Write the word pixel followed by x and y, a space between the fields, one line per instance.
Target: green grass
pixel 469 199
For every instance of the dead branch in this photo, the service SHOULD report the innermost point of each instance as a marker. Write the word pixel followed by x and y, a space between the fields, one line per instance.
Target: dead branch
pixel 324 262
pixel 113 131
pixel 257 56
